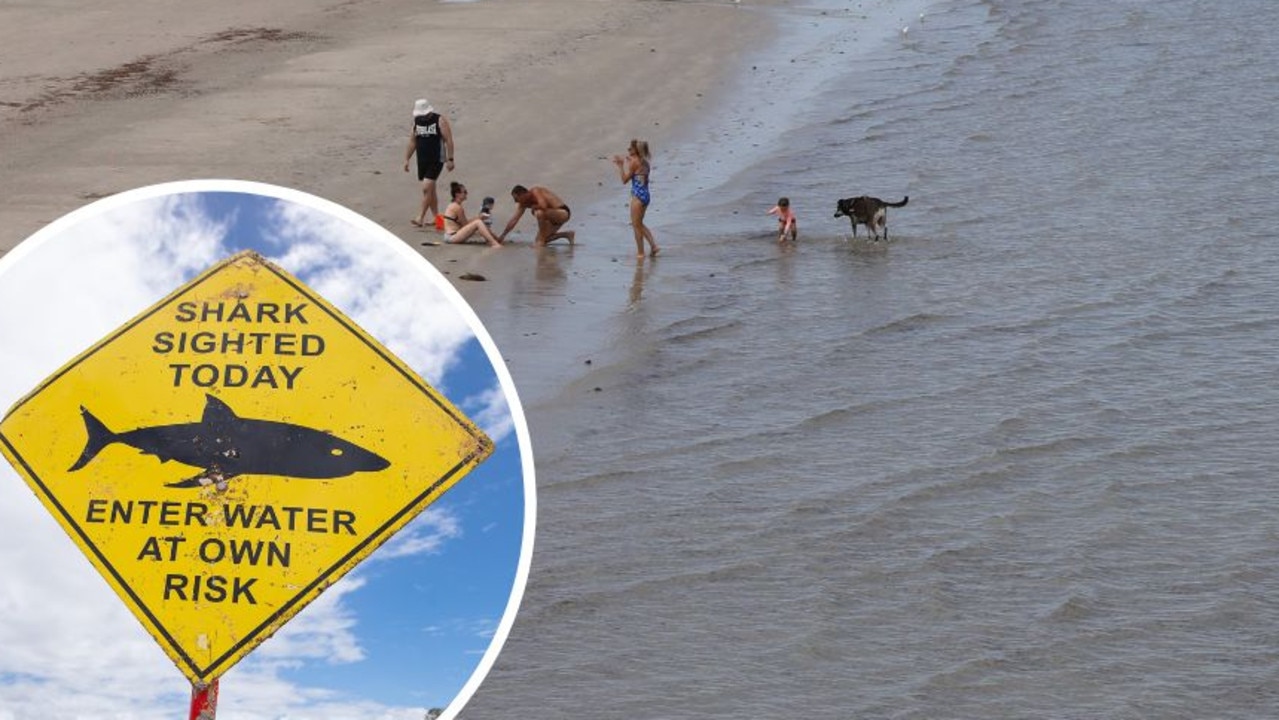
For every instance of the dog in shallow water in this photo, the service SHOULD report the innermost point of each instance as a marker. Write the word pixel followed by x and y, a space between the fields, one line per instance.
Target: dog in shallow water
pixel 869 211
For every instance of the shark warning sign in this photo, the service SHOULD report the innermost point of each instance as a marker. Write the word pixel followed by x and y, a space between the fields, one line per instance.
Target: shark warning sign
pixel 231 452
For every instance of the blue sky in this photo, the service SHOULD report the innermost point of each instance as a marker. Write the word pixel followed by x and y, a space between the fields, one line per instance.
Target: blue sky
pixel 414 626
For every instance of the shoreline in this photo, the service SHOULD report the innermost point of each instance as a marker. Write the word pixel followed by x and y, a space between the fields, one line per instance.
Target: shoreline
pixel 319 99
pixel 331 87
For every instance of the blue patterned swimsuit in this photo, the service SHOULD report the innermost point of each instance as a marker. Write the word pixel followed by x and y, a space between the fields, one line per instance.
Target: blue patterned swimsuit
pixel 639 186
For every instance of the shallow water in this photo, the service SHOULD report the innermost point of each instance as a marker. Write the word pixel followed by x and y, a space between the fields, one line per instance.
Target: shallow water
pixel 1013 463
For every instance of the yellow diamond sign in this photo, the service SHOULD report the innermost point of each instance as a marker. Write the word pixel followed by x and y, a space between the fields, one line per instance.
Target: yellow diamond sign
pixel 231 452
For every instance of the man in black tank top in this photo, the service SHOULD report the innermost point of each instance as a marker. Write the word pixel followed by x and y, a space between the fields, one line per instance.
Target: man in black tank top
pixel 432 141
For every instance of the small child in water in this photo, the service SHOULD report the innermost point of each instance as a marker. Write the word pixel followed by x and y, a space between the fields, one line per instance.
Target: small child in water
pixel 787 223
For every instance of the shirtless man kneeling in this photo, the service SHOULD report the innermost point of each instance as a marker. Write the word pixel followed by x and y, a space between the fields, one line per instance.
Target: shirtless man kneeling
pixel 547 207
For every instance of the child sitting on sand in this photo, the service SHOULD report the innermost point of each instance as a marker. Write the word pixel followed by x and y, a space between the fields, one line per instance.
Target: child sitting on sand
pixel 787 223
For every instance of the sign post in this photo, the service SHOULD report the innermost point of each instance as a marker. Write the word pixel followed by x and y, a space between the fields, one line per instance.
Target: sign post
pixel 231 452
pixel 204 700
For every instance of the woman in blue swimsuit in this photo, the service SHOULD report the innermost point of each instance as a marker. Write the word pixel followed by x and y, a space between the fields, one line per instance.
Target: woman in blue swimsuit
pixel 634 169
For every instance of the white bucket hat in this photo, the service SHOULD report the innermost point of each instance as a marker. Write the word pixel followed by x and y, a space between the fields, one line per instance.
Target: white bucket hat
pixel 422 107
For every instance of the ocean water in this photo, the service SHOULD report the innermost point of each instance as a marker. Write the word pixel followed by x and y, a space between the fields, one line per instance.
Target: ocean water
pixel 1017 462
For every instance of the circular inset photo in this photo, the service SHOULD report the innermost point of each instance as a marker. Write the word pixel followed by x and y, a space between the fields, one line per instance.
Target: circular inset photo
pixel 281 438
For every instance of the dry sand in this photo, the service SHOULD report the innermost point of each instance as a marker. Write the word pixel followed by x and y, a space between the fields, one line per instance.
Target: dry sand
pixel 102 96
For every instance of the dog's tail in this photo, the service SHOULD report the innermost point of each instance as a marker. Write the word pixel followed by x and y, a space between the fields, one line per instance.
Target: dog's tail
pixel 900 204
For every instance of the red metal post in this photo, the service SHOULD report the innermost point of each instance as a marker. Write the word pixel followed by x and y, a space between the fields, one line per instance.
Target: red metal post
pixel 204 700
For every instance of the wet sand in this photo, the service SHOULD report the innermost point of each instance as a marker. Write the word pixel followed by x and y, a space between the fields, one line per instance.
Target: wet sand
pixel 319 97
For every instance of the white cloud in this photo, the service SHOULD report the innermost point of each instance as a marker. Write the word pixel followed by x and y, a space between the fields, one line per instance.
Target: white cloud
pixel 324 630
pixel 483 628
pixel 490 411
pixel 425 535
pixel 67 294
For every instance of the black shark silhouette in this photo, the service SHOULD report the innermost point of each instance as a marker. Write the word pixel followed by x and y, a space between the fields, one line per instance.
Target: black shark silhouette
pixel 225 445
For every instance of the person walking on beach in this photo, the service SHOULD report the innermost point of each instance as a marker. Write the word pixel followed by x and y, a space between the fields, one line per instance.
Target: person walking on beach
pixel 432 140
pixel 547 207
pixel 634 169
pixel 457 227
pixel 787 223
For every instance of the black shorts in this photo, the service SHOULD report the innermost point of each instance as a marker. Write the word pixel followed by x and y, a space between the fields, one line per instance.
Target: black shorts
pixel 427 170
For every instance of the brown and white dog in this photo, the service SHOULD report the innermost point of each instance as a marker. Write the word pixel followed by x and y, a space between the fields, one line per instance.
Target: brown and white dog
pixel 869 211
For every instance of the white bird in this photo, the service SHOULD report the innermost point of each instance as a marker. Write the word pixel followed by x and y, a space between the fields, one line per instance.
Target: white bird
pixel 905 29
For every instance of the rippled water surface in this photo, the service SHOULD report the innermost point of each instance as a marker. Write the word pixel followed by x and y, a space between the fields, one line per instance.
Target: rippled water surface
pixel 1017 462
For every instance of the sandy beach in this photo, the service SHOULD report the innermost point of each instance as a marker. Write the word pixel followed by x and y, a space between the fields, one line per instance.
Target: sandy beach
pixel 318 97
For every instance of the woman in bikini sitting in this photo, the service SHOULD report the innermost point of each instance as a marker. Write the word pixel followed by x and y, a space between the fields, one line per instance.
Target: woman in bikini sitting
pixel 634 169
pixel 457 228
